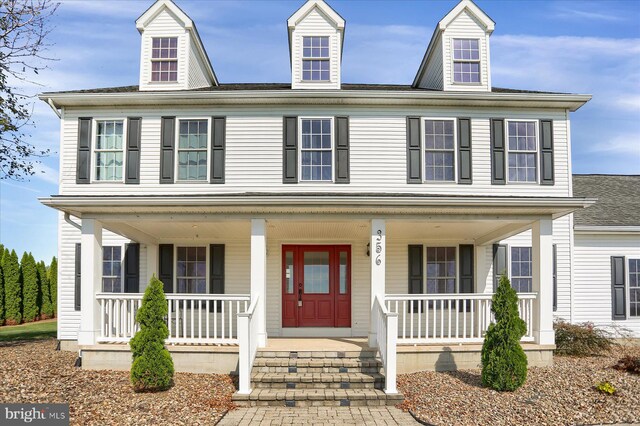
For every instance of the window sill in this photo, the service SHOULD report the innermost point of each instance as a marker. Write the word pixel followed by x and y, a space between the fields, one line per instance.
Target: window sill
pixel 102 182
pixel 197 182
pixel 439 182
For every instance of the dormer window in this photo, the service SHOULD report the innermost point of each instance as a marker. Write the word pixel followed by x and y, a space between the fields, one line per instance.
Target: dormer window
pixel 315 59
pixel 466 60
pixel 164 59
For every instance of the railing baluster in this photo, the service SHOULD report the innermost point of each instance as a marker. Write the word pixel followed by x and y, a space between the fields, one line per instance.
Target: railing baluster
pixel 411 318
pixel 230 334
pixel 222 324
pixel 184 319
pixel 199 319
pixel 419 319
pixel 449 317
pixel 464 318
pixel 457 318
pixel 206 315
pixel 404 319
pixel 169 314
pixel 215 320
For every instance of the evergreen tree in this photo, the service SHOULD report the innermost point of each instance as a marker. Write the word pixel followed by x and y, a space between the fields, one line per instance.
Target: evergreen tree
pixel 53 284
pixel 46 307
pixel 152 368
pixel 12 288
pixel 504 363
pixel 1 286
pixel 29 288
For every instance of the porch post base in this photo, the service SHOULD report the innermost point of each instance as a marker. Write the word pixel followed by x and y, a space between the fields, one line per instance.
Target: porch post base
pixel 262 340
pixel 87 337
pixel 544 337
pixel 372 340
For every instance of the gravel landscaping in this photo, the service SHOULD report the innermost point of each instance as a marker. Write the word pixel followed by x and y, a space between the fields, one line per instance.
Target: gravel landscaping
pixel 560 395
pixel 34 372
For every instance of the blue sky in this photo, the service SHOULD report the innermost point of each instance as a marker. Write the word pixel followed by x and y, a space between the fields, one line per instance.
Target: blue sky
pixel 567 46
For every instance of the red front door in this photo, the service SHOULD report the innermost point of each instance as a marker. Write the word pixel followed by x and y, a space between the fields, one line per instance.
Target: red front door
pixel 316 286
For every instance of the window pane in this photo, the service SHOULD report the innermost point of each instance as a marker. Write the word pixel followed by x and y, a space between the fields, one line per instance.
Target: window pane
pixel 439 150
pixel 441 269
pixel 192 150
pixel 316 152
pixel 289 272
pixel 521 269
pixel 343 272
pixel 316 272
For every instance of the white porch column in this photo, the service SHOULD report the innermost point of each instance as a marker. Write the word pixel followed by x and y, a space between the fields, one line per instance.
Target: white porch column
pixel 377 252
pixel 259 275
pixel 542 248
pixel 90 283
pixel 152 264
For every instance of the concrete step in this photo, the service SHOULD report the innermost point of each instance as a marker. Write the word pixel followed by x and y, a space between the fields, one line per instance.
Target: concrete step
pixel 317 398
pixel 364 354
pixel 317 365
pixel 317 381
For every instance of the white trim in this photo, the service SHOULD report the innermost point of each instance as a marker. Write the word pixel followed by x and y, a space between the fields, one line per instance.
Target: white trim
pixel 175 266
pixel 94 144
pixel 306 8
pixel 456 278
pixel 475 61
pixel 177 150
pixel 333 160
pixel 606 229
pixel 536 151
pixel 424 150
pixel 122 271
pixel 627 287
pixel 471 8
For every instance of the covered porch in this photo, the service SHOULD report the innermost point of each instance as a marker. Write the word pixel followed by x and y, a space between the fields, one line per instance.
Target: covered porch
pixel 245 302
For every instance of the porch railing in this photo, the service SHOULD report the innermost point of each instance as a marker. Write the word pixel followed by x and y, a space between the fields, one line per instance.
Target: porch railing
pixel 191 319
pixel 248 346
pixel 386 323
pixel 450 318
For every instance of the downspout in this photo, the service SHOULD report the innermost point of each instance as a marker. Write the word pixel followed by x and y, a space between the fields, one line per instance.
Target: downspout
pixel 53 107
pixel 67 219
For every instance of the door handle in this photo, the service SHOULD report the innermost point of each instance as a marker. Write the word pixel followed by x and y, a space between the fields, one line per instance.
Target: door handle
pixel 300 295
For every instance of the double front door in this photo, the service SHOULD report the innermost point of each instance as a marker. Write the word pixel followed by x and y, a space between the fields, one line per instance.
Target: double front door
pixel 316 286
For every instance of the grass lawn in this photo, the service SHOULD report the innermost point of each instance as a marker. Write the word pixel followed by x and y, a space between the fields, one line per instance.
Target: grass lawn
pixel 31 331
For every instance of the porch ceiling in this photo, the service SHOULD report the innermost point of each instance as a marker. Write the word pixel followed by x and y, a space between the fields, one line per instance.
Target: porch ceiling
pixel 470 230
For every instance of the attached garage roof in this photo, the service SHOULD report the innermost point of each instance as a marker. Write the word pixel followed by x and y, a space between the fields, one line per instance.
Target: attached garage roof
pixel 618 200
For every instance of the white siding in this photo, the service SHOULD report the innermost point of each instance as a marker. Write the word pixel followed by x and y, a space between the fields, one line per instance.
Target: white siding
pixel 592 277
pixel 197 77
pixel 316 24
pixel 433 75
pixel 254 152
pixel 466 26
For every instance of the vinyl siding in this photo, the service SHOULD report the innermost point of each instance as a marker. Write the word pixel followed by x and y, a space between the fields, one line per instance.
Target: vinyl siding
pixel 592 277
pixel 315 24
pixel 433 76
pixel 254 152
pixel 197 76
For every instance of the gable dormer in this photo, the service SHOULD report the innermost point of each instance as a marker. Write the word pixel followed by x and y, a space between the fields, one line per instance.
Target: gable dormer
pixel 457 58
pixel 315 46
pixel 172 56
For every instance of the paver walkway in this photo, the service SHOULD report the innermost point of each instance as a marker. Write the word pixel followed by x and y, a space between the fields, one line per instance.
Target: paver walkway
pixel 317 416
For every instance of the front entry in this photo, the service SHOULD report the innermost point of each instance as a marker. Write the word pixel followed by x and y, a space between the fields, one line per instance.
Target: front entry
pixel 316 286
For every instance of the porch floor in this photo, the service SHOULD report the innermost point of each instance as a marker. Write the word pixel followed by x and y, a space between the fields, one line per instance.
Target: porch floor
pixel 329 344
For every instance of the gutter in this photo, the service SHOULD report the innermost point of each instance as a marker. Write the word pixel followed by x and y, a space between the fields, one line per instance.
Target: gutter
pixel 53 106
pixel 606 229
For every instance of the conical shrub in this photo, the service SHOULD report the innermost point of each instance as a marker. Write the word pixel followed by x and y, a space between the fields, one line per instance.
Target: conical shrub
pixel 53 284
pixel 1 286
pixel 12 288
pixel 46 307
pixel 152 368
pixel 504 363
pixel 29 276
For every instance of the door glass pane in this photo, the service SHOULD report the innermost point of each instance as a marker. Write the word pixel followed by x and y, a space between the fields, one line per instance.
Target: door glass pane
pixel 316 272
pixel 288 271
pixel 343 272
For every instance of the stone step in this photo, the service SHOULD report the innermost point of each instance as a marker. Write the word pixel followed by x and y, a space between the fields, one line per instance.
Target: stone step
pixel 317 398
pixel 364 354
pixel 294 369
pixel 319 365
pixel 317 381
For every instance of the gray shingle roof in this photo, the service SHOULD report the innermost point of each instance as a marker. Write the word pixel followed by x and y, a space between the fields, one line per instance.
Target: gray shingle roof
pixel 618 200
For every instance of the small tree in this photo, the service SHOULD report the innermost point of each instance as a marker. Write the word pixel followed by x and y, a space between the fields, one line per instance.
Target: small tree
pixel 152 368
pixel 1 286
pixel 504 363
pixel 46 306
pixel 53 284
pixel 29 274
pixel 12 288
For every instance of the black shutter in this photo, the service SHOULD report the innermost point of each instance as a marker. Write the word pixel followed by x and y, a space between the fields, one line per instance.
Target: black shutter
pixel 414 157
pixel 499 264
pixel 498 176
pixel 133 150
pixel 555 277
pixel 218 141
pixel 216 271
pixel 290 150
pixel 167 143
pixel 618 299
pixel 165 266
pixel 132 268
pixel 342 149
pixel 546 152
pixel 466 283
pixel 78 277
pixel 416 272
pixel 83 164
pixel 464 151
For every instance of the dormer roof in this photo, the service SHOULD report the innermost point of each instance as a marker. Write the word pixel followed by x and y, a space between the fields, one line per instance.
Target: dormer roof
pixel 324 9
pixel 474 10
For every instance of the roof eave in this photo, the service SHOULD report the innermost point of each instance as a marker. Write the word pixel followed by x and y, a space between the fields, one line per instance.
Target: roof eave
pixel 607 229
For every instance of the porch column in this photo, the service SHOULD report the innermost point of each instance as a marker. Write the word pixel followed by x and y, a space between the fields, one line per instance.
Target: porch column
pixel 90 281
pixel 259 275
pixel 152 264
pixel 542 248
pixel 377 250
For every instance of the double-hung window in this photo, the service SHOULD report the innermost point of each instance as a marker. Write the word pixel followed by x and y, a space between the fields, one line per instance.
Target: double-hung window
pixel 634 287
pixel 441 269
pixel 316 149
pixel 439 150
pixel 111 269
pixel 315 59
pixel 191 270
pixel 164 59
pixel 522 147
pixel 192 150
pixel 466 60
pixel 521 269
pixel 109 150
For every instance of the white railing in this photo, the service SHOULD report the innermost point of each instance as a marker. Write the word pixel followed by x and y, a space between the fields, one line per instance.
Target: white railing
pixel 450 318
pixel 191 319
pixel 386 322
pixel 248 346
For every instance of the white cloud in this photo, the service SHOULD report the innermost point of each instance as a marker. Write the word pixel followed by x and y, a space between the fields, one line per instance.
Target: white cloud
pixel 574 13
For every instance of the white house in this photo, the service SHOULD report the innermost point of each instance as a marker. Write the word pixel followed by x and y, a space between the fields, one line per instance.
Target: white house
pixel 376 215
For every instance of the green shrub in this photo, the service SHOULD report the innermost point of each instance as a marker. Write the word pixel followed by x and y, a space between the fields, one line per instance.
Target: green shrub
pixel 1 286
pixel 504 363
pixel 152 368
pixel 29 275
pixel 52 274
pixel 583 339
pixel 606 387
pixel 630 364
pixel 46 305
pixel 12 288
